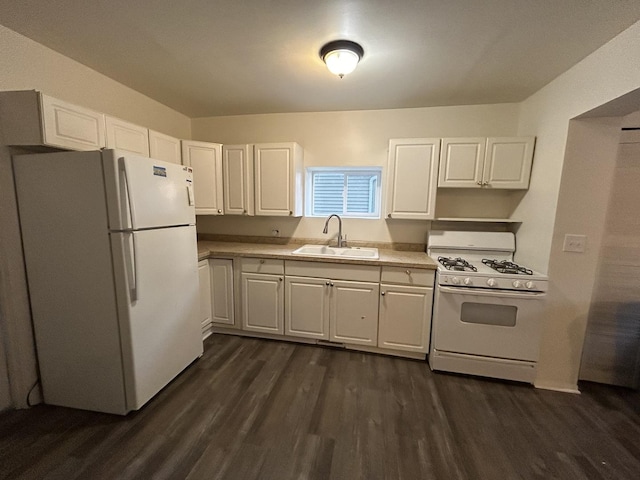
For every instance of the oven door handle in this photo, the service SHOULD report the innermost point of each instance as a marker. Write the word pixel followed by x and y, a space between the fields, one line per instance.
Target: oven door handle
pixel 491 293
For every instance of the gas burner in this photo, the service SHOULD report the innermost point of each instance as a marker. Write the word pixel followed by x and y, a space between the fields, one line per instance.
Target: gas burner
pixel 458 264
pixel 505 266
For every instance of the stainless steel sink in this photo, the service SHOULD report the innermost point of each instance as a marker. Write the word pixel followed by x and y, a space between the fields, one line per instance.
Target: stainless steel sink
pixel 335 252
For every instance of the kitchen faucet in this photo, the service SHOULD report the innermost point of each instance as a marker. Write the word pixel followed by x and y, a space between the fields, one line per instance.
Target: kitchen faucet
pixel 326 225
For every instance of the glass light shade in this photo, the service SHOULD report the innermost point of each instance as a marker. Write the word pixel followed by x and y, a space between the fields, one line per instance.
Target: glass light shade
pixel 341 62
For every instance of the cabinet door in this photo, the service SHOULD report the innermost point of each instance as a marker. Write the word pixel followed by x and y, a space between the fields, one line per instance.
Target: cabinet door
pixel 354 312
pixel 237 174
pixel 165 148
pixel 461 162
pixel 205 297
pixel 127 136
pixel 508 162
pixel 307 307
pixel 412 178
pixel 405 318
pixel 206 161
pixel 221 271
pixel 68 126
pixel 278 179
pixel 262 303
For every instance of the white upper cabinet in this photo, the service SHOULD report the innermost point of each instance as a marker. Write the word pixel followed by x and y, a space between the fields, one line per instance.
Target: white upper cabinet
pixel 508 162
pixel 237 174
pixel 461 162
pixel 32 118
pixel 165 148
pixel 127 136
pixel 496 162
pixel 206 160
pixel 278 179
pixel 412 177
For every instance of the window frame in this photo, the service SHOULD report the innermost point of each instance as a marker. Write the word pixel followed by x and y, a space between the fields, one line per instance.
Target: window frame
pixel 364 170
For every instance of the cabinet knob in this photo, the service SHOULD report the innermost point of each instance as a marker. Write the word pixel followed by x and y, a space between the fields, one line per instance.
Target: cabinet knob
pixel 382 293
pixel 331 284
pixel 408 272
pixel 327 284
pixel 280 278
pixel 261 260
pixel 388 215
pixel 244 212
pixel 485 183
pixel 290 212
pixel 479 183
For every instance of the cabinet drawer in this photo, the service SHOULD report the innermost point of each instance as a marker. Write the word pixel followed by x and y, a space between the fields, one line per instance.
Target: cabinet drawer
pixel 334 271
pixel 408 276
pixel 263 265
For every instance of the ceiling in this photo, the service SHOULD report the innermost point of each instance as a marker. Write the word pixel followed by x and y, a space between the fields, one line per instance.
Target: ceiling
pixel 227 57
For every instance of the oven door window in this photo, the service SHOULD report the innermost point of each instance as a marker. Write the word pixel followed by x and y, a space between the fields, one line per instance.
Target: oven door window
pixel 489 314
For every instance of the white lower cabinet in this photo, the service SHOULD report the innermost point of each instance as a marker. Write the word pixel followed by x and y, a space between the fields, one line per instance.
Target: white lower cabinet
pixel 405 317
pixel 380 307
pixel 406 297
pixel 354 313
pixel 262 295
pixel 335 302
pixel 307 307
pixel 222 298
pixel 336 310
pixel 262 303
pixel 205 297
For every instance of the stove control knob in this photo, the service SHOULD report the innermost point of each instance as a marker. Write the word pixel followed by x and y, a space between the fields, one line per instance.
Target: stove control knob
pixel 455 280
pixel 492 282
pixel 518 284
pixel 530 285
pixel 468 281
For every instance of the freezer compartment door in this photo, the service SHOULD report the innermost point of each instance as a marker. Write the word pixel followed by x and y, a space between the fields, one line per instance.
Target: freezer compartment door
pixel 147 193
pixel 157 293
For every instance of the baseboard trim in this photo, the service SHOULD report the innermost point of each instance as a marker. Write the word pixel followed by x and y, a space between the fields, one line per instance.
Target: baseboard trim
pixel 557 388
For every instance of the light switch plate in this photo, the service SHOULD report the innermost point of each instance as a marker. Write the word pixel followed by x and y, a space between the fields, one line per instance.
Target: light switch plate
pixel 574 243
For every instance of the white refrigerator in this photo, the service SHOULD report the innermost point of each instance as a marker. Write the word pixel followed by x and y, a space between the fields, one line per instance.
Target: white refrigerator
pixel 111 257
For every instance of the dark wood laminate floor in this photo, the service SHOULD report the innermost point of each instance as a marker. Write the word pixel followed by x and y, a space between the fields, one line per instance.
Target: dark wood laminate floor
pixel 259 409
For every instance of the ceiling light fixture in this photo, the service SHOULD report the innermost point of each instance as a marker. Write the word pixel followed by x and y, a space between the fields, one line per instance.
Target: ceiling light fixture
pixel 341 56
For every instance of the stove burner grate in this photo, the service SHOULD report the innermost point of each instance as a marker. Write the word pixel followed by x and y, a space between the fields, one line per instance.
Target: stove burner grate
pixel 457 264
pixel 505 266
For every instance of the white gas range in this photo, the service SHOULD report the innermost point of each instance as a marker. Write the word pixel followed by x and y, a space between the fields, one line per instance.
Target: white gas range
pixel 487 310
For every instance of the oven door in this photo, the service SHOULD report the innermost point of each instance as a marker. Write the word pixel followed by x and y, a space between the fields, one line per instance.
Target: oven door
pixel 500 324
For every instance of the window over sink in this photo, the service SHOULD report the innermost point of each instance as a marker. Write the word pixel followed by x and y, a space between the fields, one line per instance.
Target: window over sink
pixel 349 192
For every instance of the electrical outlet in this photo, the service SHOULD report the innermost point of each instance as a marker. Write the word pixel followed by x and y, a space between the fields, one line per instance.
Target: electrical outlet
pixel 574 243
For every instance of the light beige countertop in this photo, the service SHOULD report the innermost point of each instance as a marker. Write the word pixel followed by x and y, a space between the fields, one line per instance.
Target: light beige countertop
pixel 391 258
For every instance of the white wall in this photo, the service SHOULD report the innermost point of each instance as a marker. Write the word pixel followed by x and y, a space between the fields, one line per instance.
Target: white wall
pixel 570 178
pixel 25 64
pixel 355 138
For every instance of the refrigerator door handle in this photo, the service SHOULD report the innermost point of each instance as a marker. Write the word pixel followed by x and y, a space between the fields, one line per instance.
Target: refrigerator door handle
pixel 126 198
pixel 131 265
